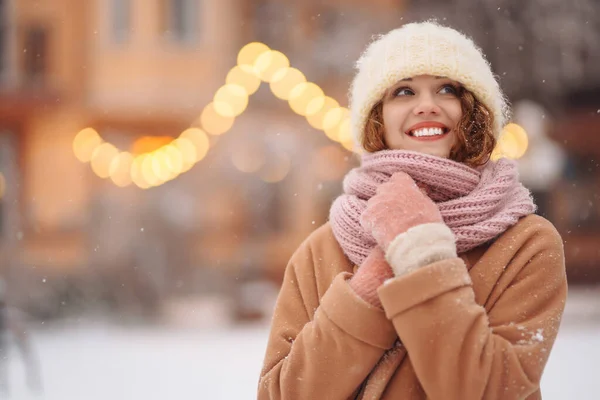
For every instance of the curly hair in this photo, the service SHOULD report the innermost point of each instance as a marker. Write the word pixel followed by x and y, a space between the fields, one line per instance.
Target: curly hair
pixel 474 132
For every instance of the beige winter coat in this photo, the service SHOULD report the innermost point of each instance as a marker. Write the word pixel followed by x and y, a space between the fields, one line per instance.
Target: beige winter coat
pixel 476 327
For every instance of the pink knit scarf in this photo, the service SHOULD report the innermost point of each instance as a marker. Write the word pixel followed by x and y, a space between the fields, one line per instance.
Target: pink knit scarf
pixel 477 204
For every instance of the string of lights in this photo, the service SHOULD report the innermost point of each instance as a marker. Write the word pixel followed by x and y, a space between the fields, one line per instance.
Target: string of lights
pixel 256 63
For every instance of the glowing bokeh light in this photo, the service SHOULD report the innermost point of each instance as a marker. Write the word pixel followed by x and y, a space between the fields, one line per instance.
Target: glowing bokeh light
pixel 156 159
pixel 269 63
pixel 213 122
pixel 200 141
pixel 512 143
pixel 84 144
pixel 284 81
pixel 302 95
pixel 250 52
pixel 332 120
pixel 120 169
pixel 244 76
pixel 230 100
pixel 101 159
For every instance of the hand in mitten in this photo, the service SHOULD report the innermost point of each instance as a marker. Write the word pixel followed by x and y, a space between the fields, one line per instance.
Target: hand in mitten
pixel 370 275
pixel 407 225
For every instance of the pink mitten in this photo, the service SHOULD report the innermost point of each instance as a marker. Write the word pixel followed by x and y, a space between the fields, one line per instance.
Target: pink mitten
pixel 398 205
pixel 370 275
pixel 407 225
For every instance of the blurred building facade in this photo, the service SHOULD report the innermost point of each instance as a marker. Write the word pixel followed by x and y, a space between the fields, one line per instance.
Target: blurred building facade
pixel 135 69
pixel 574 203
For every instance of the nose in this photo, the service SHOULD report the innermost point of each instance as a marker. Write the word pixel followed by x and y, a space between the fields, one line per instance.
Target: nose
pixel 426 105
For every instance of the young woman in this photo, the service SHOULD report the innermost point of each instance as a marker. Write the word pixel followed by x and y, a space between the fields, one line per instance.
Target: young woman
pixel 433 278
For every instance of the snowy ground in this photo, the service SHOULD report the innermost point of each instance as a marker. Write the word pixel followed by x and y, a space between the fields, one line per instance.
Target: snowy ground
pixel 101 361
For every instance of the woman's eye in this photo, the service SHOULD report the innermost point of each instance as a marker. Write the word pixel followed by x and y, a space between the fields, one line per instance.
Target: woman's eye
pixel 448 89
pixel 403 92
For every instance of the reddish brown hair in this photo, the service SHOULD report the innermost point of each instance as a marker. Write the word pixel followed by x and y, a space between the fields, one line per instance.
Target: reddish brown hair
pixel 475 136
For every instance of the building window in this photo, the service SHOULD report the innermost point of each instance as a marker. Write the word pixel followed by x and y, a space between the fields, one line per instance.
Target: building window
pixel 120 20
pixel 35 54
pixel 180 20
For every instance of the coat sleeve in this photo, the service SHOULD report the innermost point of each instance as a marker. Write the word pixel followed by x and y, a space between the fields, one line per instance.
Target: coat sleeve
pixel 461 350
pixel 321 349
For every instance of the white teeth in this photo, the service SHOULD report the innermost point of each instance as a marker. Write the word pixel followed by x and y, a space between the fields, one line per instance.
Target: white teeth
pixel 428 132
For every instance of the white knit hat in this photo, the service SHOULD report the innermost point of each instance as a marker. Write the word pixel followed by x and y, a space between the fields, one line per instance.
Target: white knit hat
pixel 424 48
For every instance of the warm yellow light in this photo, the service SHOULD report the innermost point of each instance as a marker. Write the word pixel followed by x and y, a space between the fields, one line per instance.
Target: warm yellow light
pixel 213 122
pixel 160 166
pixel 301 96
pixel 349 145
pixel 269 63
pixel 250 52
pixel 148 172
pixel 315 105
pixel 496 154
pixel 174 158
pixel 520 138
pixel 188 153
pixel 84 144
pixel 332 120
pixel 245 76
pixel 230 100
pixel 276 169
pixel 137 175
pixel 120 169
pixel 284 81
pixel 157 162
pixel 344 133
pixel 316 119
pixel 148 144
pixel 101 159
pixel 512 143
pixel 199 140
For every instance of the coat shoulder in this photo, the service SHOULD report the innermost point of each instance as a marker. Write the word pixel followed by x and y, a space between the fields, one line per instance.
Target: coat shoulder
pixel 532 246
pixel 538 229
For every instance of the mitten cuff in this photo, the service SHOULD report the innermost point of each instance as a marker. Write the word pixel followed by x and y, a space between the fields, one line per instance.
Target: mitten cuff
pixel 370 275
pixel 366 288
pixel 419 246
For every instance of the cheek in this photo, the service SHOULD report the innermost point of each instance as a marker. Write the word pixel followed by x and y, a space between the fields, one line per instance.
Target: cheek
pixel 455 112
pixel 385 115
pixel 393 115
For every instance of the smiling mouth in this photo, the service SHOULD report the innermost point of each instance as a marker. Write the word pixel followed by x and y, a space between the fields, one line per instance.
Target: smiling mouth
pixel 436 132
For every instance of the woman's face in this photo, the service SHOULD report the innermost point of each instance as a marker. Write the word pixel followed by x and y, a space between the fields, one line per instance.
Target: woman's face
pixel 421 114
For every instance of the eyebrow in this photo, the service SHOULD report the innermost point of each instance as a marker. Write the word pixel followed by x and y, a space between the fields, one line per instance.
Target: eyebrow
pixel 410 79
